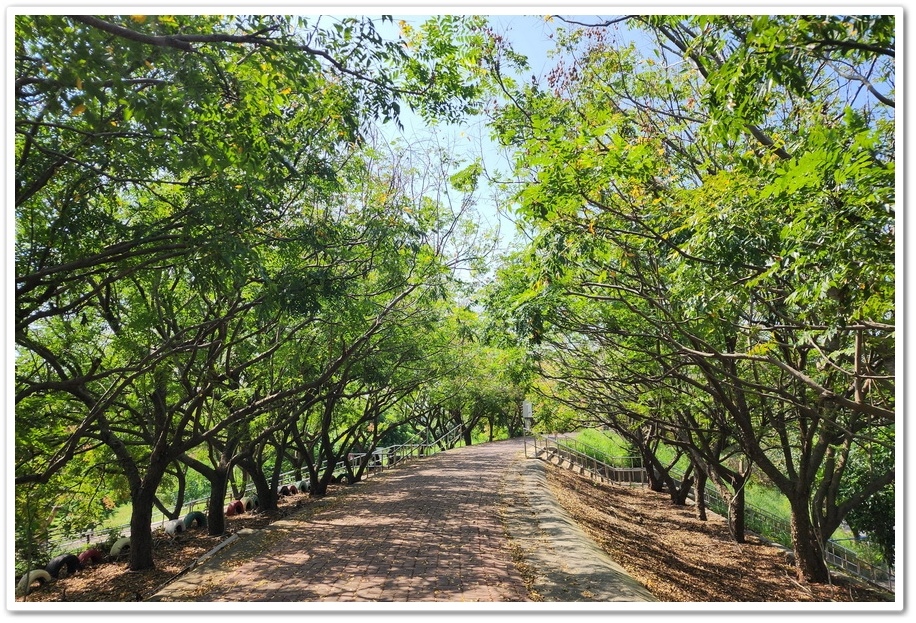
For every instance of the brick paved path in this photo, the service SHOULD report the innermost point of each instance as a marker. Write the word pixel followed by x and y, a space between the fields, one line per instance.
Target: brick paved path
pixel 429 530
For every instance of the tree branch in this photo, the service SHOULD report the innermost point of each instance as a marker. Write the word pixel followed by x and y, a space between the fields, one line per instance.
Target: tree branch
pixel 161 41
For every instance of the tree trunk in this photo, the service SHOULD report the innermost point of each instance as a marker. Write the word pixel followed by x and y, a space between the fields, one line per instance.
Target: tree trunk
pixel 175 512
pixel 680 492
pixel 141 519
pixel 238 487
pixel 319 488
pixel 279 451
pixel 656 475
pixel 267 496
pixel 218 477
pixel 736 518
pixel 313 475
pixel 323 479
pixel 701 494
pixel 809 558
pixel 465 428
pixel 216 506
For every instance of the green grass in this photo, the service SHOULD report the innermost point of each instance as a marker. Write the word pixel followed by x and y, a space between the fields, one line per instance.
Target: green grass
pixel 768 499
pixel 765 498
pixel 121 517
pixel 760 496
pixel 607 442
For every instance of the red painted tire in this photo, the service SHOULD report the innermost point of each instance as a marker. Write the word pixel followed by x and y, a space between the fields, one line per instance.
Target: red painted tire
pixel 63 566
pixel 293 490
pixel 91 556
pixel 283 491
pixel 230 509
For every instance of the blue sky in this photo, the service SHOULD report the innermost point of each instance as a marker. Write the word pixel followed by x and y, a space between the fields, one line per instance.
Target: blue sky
pixel 529 35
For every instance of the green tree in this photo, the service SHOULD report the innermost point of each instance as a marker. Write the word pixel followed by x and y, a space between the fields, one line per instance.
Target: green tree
pixel 742 210
pixel 246 122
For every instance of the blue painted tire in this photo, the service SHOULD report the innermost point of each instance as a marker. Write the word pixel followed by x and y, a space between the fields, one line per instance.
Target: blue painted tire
pixel 195 517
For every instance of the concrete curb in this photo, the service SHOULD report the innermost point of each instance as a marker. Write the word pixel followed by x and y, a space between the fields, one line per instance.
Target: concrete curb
pixel 567 564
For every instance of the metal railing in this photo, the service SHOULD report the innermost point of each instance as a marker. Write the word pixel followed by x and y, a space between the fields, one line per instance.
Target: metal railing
pixel 392 455
pixel 627 469
pixel 594 462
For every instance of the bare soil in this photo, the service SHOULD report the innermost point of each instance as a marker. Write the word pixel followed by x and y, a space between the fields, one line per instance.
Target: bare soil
pixel 676 556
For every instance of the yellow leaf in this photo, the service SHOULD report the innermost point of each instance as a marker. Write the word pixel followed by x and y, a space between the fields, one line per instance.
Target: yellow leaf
pixel 79 82
pixel 286 91
pixel 79 109
pixel 148 64
pixel 138 19
pixel 760 349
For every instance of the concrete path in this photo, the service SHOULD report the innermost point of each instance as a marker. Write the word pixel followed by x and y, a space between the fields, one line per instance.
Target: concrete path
pixel 460 526
pixel 566 564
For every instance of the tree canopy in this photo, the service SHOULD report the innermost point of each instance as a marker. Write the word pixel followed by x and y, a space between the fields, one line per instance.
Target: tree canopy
pixel 713 221
pixel 222 265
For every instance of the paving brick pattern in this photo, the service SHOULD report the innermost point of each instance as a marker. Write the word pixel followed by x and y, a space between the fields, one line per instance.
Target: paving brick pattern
pixel 429 530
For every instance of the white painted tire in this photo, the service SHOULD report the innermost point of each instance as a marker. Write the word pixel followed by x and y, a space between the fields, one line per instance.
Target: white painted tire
pixel 174 527
pixel 121 545
pixel 36 575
